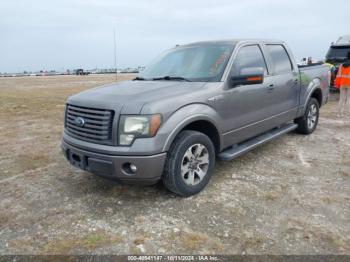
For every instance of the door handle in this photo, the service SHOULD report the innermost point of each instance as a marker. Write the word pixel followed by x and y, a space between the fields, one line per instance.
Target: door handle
pixel 270 87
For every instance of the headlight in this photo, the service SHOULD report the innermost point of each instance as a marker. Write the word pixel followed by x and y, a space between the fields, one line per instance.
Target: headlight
pixel 134 126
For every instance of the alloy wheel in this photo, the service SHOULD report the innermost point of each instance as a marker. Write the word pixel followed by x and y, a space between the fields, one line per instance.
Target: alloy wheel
pixel 194 165
pixel 312 116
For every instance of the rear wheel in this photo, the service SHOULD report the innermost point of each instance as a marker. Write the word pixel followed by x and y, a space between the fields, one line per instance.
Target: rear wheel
pixel 308 122
pixel 190 163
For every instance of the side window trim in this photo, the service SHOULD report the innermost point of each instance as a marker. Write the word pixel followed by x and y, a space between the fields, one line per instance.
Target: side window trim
pixel 290 60
pixel 268 73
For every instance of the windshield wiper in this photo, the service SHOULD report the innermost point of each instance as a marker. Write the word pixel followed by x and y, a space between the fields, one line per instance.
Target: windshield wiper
pixel 171 78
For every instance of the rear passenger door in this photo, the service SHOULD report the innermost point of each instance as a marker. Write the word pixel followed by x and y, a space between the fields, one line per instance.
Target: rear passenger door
pixel 284 89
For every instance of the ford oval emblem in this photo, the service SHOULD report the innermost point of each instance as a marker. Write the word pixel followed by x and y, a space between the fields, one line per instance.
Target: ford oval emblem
pixel 79 121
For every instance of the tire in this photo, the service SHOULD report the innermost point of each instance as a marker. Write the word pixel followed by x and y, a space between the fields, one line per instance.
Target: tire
pixel 190 163
pixel 308 122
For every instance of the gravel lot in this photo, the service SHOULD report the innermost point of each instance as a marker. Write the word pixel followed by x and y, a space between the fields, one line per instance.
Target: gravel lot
pixel 290 196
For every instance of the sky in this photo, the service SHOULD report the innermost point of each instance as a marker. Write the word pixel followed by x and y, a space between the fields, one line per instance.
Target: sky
pixel 58 35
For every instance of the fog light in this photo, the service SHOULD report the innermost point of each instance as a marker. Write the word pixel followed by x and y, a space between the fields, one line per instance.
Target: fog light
pixel 133 168
pixel 129 169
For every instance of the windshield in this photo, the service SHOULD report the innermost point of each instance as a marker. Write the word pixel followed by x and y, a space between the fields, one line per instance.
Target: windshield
pixel 338 52
pixel 195 63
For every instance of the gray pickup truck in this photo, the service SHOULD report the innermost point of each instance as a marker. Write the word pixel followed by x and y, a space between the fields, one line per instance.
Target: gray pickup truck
pixel 193 104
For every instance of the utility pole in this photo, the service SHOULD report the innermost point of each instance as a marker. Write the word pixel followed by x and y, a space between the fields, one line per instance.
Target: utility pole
pixel 115 54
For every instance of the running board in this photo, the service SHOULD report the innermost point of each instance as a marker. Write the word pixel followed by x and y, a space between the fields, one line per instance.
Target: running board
pixel 244 147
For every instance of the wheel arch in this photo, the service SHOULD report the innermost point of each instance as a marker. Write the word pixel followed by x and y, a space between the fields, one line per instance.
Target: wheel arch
pixel 317 94
pixel 201 123
pixel 207 128
pixel 314 90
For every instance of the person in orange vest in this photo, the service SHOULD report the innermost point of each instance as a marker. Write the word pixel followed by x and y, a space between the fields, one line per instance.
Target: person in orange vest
pixel 342 81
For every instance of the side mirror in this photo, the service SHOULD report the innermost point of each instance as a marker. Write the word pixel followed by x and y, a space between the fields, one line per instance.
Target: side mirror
pixel 248 76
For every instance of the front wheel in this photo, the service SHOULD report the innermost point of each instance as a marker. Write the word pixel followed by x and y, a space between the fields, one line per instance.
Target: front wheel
pixel 308 122
pixel 190 163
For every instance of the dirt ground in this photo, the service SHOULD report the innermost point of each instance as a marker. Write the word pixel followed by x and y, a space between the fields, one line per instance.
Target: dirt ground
pixel 290 196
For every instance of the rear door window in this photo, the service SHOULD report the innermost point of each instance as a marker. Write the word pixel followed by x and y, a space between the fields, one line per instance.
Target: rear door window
pixel 280 59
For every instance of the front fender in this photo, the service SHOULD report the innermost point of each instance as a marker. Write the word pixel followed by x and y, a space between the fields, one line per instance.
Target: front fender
pixel 185 116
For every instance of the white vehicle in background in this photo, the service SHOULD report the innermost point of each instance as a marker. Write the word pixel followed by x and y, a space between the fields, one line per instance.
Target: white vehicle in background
pixel 343 40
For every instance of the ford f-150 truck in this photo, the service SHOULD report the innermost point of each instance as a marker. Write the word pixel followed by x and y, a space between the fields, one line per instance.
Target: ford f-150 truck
pixel 193 104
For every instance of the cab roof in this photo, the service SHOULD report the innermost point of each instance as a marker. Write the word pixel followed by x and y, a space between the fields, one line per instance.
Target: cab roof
pixel 233 42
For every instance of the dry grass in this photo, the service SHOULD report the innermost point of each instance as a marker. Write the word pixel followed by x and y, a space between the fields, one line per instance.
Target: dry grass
pixel 195 242
pixel 271 195
pixel 252 242
pixel 71 245
pixel 317 233
pixel 31 115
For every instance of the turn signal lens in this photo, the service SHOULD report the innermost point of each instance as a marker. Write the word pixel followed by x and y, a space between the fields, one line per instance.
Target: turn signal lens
pixel 155 122
pixel 255 78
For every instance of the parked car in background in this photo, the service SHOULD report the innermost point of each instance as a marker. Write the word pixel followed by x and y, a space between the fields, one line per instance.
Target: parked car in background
pixel 81 72
pixel 194 103
pixel 336 54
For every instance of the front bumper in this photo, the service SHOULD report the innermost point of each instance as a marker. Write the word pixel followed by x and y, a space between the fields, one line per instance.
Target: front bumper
pixel 115 167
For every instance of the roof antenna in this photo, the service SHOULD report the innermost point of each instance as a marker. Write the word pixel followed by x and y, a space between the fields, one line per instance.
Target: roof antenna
pixel 115 54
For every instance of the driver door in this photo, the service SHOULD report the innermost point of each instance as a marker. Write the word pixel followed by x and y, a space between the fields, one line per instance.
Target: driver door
pixel 247 106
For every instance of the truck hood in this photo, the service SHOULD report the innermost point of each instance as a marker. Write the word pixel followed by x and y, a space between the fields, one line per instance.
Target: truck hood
pixel 129 97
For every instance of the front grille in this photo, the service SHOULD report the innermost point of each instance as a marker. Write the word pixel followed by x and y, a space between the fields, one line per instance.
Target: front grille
pixel 96 127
